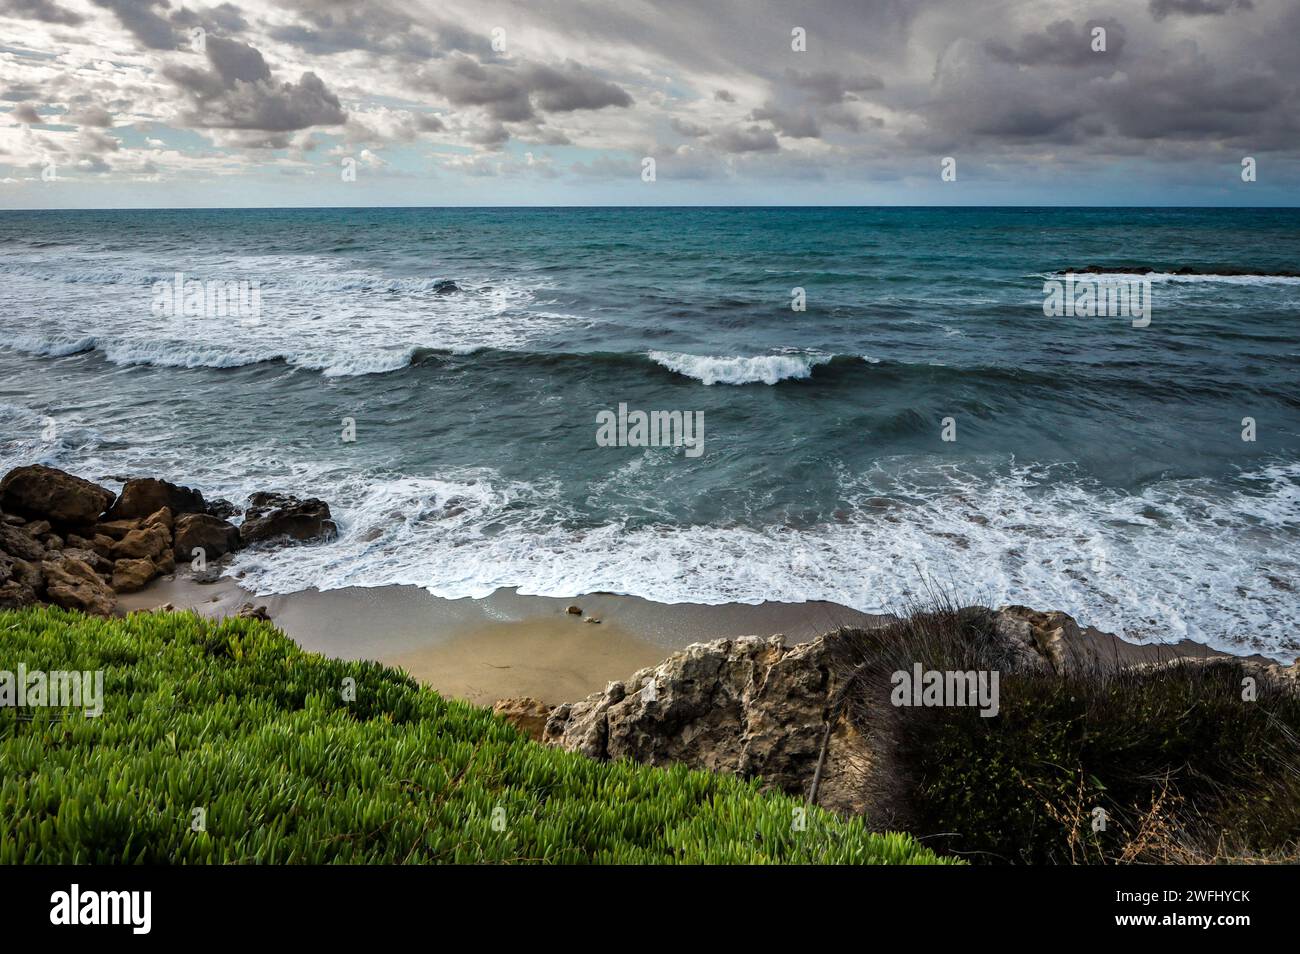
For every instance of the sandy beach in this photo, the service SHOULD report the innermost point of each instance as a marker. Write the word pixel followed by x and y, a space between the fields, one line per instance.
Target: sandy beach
pixel 504 645
pixel 509 645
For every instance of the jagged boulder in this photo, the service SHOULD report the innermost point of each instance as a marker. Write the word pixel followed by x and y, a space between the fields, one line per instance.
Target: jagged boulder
pixel 1039 638
pixel 20 581
pixel 275 516
pixel 145 543
pixel 525 713
pixel 73 584
pixel 142 496
pixel 41 492
pixel 16 541
pixel 748 706
pixel 755 707
pixel 132 575
pixel 214 536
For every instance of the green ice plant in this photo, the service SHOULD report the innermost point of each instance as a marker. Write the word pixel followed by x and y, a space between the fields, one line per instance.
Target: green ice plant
pixel 223 742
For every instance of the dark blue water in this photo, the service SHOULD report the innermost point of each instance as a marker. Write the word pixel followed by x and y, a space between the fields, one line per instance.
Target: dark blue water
pixel 1097 467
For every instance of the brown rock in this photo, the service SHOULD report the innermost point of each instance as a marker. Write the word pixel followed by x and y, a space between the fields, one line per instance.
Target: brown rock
pixel 14 594
pixel 1037 636
pixel 214 536
pixel 747 706
pixel 45 493
pixel 249 611
pixel 74 585
pixel 22 572
pixel 38 528
pixel 273 516
pixel 161 517
pixel 526 714
pixel 574 611
pixel 97 544
pixel 146 543
pixel 143 496
pixel 132 575
pixel 16 541
pixel 101 565
pixel 116 529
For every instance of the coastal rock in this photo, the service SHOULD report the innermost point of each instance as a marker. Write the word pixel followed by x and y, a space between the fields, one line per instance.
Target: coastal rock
pixel 99 543
pixel 101 566
pixel 22 572
pixel 20 582
pixel 132 575
pixel 574 611
pixel 1039 638
pixel 142 496
pixel 249 611
pixel 525 713
pixel 755 707
pixel 214 536
pixel 16 541
pixel 221 509
pixel 72 584
pixel 14 594
pixel 47 493
pixel 146 543
pixel 116 529
pixel 274 516
pixel 748 706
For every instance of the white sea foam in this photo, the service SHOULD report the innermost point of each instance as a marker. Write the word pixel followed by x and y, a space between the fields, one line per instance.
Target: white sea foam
pixel 338 323
pixel 759 369
pixel 1174 278
pixel 1180 560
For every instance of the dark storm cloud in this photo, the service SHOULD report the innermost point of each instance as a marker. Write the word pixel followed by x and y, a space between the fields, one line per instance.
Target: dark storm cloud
pixel 1062 44
pixel 225 19
pixel 239 92
pixel 793 123
pixel 143 19
pixel 751 139
pixel 828 86
pixel 374 30
pixel 689 129
pixel 46 11
pixel 1197 8
pixel 1189 97
pixel 513 93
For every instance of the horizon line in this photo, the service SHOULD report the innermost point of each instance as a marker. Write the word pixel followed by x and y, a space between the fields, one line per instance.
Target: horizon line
pixel 302 208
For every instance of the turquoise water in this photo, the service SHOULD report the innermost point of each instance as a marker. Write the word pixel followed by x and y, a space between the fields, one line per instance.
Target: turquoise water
pixel 1097 468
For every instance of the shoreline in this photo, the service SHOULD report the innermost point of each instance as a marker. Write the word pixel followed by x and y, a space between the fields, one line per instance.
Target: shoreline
pixel 508 646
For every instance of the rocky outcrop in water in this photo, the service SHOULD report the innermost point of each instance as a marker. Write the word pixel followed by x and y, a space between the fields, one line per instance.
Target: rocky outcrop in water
pixel 142 496
pixel 277 516
pixel 68 541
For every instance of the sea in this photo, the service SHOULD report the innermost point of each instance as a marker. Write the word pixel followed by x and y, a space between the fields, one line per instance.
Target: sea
pixel 888 410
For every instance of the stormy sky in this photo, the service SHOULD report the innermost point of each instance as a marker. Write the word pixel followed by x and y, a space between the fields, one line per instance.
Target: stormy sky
pixel 154 103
